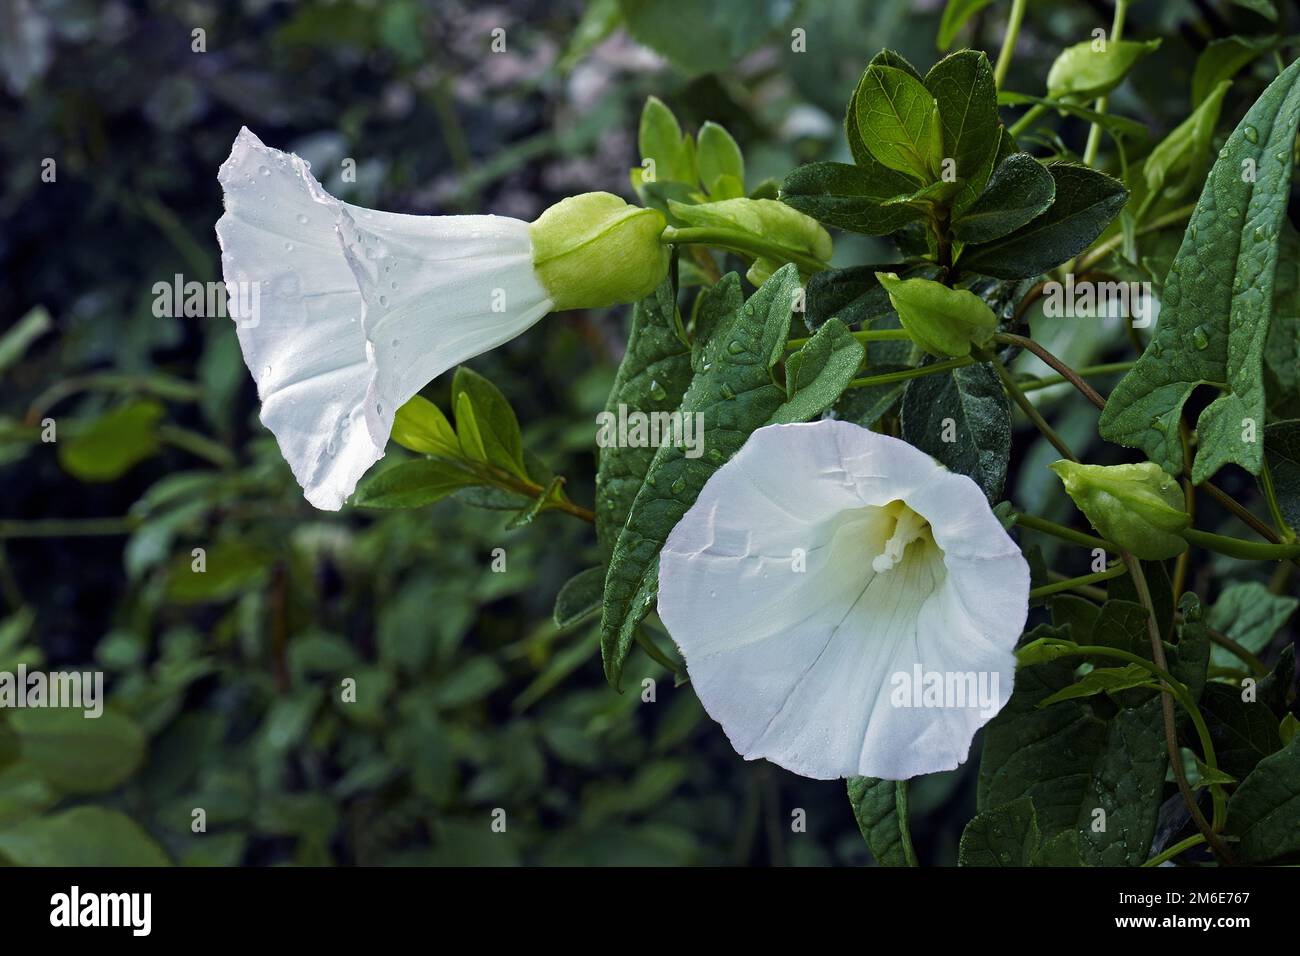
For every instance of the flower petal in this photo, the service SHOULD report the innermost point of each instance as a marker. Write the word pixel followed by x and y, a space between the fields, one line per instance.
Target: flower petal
pixel 354 310
pixel 799 666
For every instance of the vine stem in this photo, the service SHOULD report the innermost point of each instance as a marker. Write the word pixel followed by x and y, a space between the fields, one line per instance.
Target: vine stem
pixel 743 243
pixel 1167 712
pixel 889 378
pixel 1237 548
pixel 1094 134
pixel 1107 368
pixel 1044 526
pixel 904 824
pixel 67 527
pixel 1026 405
pixel 1196 839
pixel 1069 584
pixel 865 335
pixel 1009 42
pixel 1066 373
pixel 1099 251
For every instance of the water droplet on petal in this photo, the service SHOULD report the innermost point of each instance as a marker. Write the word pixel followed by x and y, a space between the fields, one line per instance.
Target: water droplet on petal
pixel 302 219
pixel 263 170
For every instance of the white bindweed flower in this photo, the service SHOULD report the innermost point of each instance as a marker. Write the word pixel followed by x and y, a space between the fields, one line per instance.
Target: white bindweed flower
pixel 345 313
pixel 845 604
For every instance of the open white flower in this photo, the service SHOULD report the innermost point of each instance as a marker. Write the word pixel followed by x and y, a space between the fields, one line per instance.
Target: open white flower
pixel 845 604
pixel 345 312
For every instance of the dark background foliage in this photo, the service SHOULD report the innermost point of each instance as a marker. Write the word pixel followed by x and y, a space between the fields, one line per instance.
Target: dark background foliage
pixel 225 693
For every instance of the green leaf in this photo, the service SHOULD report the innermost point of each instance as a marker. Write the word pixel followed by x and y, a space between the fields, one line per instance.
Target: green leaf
pixel 1265 8
pixel 1103 680
pixel 817 373
pixel 599 20
pixel 23 794
pixel 1184 150
pixel 973 399
pixel 850 197
pixel 1222 60
pixel 941 320
pixel 735 394
pixel 414 484
pixel 899 122
pixel 1282 345
pixel 721 163
pixel 660 138
pixel 15 342
pixel 81 837
pixel 491 432
pixel 1243 732
pixel 955 15
pixel 1020 189
pixel 420 426
pixel 1086 202
pixel 655 371
pixel 112 444
pixel 1275 690
pixel 1249 614
pixel 229 569
pixel 580 598
pixel 1262 812
pixel 962 86
pixel 1282 450
pixel 1072 762
pixel 76 753
pixel 1085 72
pixel 1214 321
pixel 702 37
pixel 876 811
pixel 1006 835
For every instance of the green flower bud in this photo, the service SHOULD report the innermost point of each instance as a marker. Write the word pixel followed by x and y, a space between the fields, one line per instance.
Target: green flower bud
pixel 941 320
pixel 595 250
pixel 1138 507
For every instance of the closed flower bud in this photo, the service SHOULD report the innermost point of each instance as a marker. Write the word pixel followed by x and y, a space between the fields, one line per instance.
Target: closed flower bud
pixel 595 250
pixel 790 234
pixel 1138 507
pixel 943 321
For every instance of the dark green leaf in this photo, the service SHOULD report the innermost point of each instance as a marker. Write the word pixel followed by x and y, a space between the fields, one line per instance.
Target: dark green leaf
pixel 1214 321
pixel 963 419
pixel 1282 450
pixel 1006 835
pixel 850 197
pixel 81 837
pixel 702 37
pixel 655 371
pixel 1101 680
pixel 1263 810
pixel 1243 732
pixel 580 598
pixel 1086 202
pixel 876 811
pixel 1020 189
pixel 962 84
pixel 1221 60
pixel 76 753
pixel 414 484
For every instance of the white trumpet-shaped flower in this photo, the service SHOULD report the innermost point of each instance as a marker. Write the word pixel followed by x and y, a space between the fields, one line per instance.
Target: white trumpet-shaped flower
pixel 845 604
pixel 344 313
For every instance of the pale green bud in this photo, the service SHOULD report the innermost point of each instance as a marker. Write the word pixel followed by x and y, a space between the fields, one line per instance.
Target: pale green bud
pixel 595 250
pixel 1138 507
pixel 941 320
